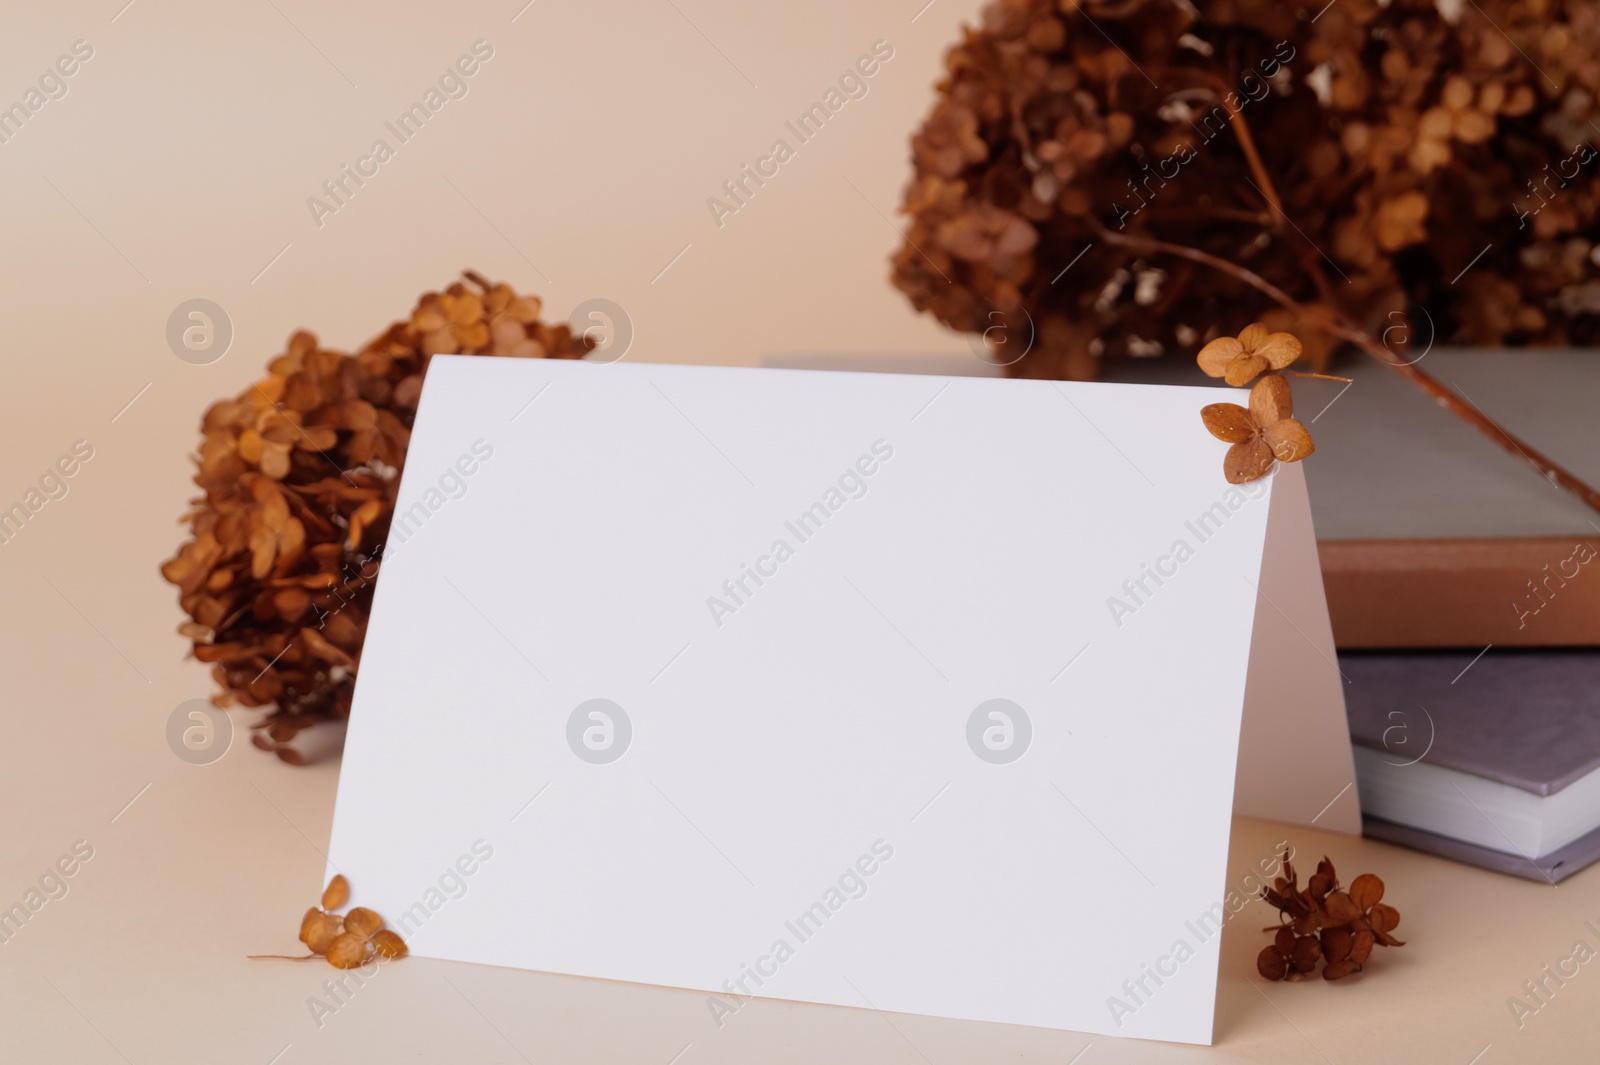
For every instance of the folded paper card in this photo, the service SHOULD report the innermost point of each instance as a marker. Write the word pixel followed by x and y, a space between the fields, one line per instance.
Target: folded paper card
pixel 906 693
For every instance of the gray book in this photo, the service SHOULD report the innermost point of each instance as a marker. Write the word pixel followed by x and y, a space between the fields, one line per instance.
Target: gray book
pixel 1491 759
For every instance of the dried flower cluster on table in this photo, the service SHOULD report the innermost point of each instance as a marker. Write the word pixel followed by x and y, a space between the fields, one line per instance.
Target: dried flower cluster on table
pixel 299 474
pixel 347 941
pixel 1327 924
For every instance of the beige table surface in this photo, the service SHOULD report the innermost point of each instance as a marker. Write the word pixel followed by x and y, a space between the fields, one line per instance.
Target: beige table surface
pixel 178 165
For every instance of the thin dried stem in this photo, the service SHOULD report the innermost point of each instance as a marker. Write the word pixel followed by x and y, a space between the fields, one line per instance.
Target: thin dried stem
pixel 1247 144
pixel 1341 326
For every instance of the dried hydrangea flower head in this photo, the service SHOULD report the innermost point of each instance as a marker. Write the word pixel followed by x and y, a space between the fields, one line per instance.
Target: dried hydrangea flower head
pixel 1398 137
pixel 298 476
pixel 346 942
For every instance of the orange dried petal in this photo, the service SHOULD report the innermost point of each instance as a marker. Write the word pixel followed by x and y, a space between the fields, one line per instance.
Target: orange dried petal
pixel 1427 155
pixel 1228 421
pixel 1271 400
pixel 362 921
pixel 1247 461
pixel 318 438
pixel 250 446
pixel 322 932
pixel 467 309
pixel 359 414
pixel 1289 440
pixel 275 460
pixel 1252 336
pixel 1366 891
pixel 1473 127
pixel 1434 124
pixel 388 943
pixel 1457 92
pixel 1246 368
pixel 337 893
pixel 1215 356
pixel 1279 349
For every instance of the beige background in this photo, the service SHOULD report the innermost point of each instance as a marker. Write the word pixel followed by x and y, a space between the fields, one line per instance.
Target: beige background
pixel 178 166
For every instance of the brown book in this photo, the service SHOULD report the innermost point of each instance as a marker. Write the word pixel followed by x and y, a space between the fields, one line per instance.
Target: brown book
pixel 1524 592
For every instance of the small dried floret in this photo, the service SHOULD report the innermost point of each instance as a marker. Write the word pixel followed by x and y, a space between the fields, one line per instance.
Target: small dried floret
pixel 349 941
pixel 1265 433
pixel 1324 923
pixel 348 951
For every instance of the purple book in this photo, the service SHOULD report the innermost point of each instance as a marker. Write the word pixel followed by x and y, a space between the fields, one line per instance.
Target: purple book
pixel 1492 760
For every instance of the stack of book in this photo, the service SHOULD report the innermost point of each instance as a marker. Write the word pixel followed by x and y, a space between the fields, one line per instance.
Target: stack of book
pixel 1492 759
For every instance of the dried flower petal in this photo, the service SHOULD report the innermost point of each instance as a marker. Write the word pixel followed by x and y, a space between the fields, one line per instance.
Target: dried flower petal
pixel 1228 421
pixel 337 893
pixel 1215 356
pixel 1272 964
pixel 348 951
pixel 1279 349
pixel 388 943
pixel 362 921
pixel 1247 461
pixel 1270 401
pixel 1337 943
pixel 1307 952
pixel 321 932
pixel 1340 969
pixel 1366 891
pixel 1289 440
pixel 1246 368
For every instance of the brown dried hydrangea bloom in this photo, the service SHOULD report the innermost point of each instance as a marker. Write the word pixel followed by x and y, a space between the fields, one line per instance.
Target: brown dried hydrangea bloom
pixel 351 941
pixel 1323 923
pixel 1397 139
pixel 299 474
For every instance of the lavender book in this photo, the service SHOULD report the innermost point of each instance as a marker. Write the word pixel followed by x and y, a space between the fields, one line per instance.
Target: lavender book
pixel 1493 760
